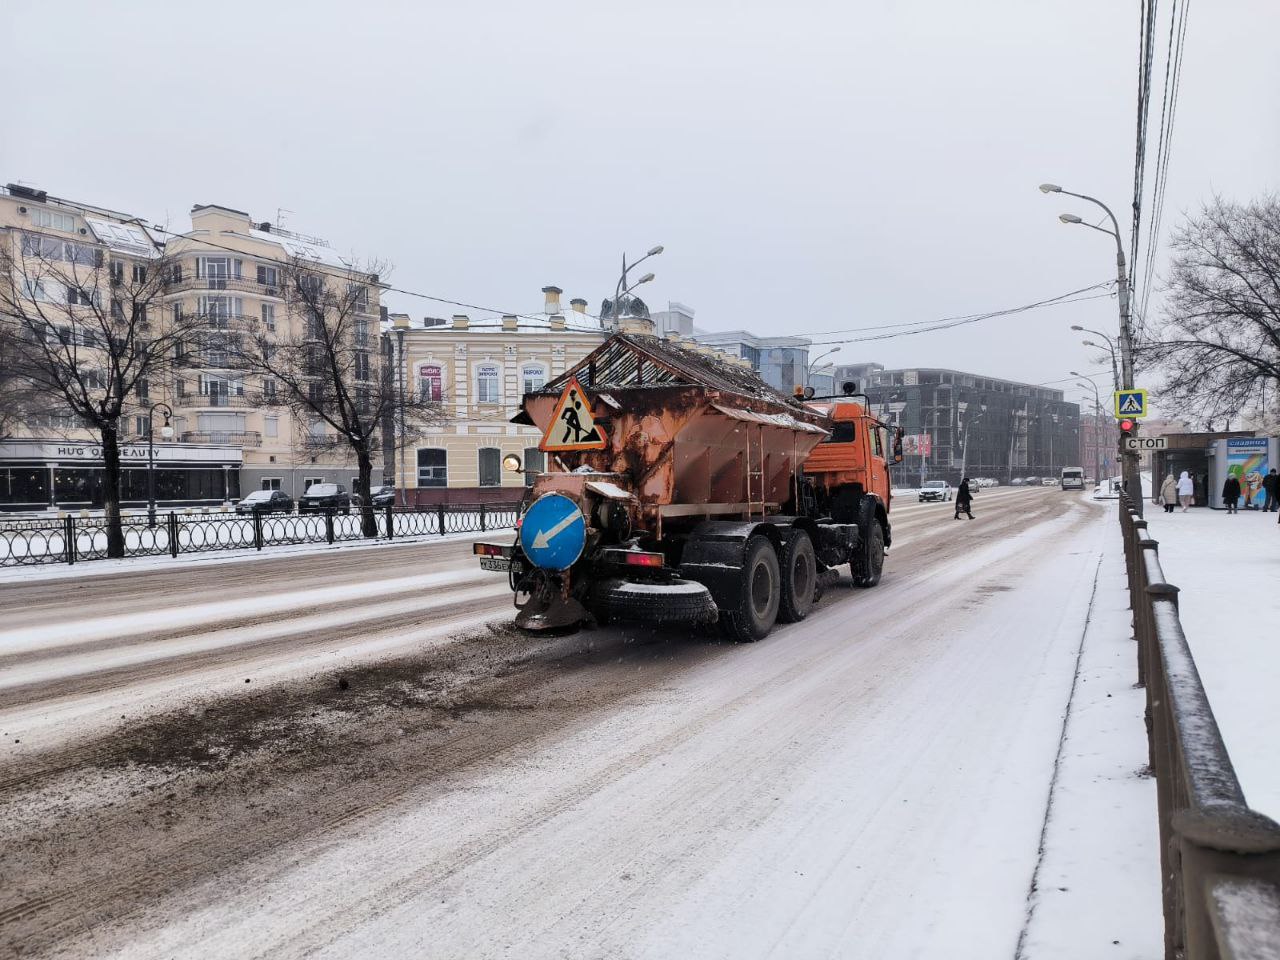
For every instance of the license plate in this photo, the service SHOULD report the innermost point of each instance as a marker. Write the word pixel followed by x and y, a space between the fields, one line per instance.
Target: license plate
pixel 500 564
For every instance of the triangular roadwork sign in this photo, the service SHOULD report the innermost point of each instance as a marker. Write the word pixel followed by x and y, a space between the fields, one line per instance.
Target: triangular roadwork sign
pixel 572 426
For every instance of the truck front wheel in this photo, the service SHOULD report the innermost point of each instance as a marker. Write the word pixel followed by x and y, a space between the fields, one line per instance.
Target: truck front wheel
pixel 799 578
pixel 869 562
pixel 759 588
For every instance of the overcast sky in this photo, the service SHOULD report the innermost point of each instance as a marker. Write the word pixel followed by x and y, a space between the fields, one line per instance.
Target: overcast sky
pixel 808 166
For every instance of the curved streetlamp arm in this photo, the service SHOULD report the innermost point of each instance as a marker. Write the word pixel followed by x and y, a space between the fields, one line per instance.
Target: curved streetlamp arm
pixel 1098 202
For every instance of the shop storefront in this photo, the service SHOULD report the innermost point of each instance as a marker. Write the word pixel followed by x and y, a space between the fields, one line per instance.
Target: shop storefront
pixel 68 475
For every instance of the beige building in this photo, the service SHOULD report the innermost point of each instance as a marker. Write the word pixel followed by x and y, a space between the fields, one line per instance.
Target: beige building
pixel 231 274
pixel 226 440
pixel 480 369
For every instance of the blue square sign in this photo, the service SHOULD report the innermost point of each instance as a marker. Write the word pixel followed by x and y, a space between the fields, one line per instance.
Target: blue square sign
pixel 1131 404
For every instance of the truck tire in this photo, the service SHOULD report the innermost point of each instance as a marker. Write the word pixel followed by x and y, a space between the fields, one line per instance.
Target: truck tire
pixel 677 601
pixel 799 578
pixel 759 588
pixel 867 566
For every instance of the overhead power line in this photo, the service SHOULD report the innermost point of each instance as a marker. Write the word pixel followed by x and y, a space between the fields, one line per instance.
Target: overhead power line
pixel 947 323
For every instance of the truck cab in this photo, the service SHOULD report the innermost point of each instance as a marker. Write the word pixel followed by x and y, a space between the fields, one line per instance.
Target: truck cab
pixel 853 462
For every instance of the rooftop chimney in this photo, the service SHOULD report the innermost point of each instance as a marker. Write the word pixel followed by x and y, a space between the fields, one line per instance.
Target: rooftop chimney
pixel 510 323
pixel 400 321
pixel 460 321
pixel 557 321
pixel 553 299
pixel 578 304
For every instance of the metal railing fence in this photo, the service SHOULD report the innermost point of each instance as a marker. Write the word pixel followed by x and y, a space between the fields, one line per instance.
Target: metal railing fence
pixel 1219 859
pixel 74 539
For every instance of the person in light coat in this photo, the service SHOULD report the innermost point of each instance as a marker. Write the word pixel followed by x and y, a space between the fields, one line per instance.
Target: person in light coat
pixel 1186 490
pixel 1168 495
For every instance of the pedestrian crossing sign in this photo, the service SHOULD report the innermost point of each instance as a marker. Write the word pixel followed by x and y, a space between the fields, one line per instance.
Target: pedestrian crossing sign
pixel 1131 404
pixel 572 426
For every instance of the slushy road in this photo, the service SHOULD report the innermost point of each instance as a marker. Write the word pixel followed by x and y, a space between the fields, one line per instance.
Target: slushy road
pixel 404 776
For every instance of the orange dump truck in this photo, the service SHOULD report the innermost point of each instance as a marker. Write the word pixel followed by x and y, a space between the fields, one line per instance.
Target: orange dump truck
pixel 682 488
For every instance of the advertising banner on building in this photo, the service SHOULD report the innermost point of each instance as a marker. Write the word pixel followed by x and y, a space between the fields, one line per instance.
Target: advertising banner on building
pixel 917 444
pixel 1247 462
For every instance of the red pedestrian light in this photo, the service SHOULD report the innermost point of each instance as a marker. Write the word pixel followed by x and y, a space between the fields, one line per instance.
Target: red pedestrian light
pixel 1126 426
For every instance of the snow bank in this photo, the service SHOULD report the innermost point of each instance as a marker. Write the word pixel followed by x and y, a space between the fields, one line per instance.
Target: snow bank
pixel 1227 566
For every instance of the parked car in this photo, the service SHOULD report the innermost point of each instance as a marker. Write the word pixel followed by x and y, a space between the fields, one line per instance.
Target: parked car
pixel 325 496
pixel 382 496
pixel 936 490
pixel 1048 482
pixel 266 501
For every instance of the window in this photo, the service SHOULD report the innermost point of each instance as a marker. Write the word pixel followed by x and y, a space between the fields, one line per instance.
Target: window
pixel 269 316
pixel 220 311
pixel 139 273
pixel 360 298
pixel 117 309
pixel 81 254
pixel 269 390
pixel 430 381
pixel 177 313
pixel 54 221
pixel 315 393
pixel 271 483
pixel 315 429
pixel 487 384
pixel 217 270
pixel 80 297
pixel 141 426
pixel 533 376
pixel 93 379
pixel 362 333
pixel 841 432
pixel 310 482
pixel 315 325
pixel 362 364
pixel 490 466
pixel 36 290
pixel 433 467
pixel 116 271
pixel 535 462
pixel 144 390
pixel 268 276
pixel 44 248
pixel 271 426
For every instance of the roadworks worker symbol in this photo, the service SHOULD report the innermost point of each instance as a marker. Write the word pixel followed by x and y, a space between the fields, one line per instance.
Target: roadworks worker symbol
pixel 1131 403
pixel 572 426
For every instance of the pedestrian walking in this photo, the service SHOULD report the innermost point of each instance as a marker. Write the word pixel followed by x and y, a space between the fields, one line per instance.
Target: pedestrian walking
pixel 1271 486
pixel 964 499
pixel 1231 493
pixel 1168 495
pixel 1186 490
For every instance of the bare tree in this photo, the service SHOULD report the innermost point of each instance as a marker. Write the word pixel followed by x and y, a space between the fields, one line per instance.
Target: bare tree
pixel 323 365
pixel 1221 346
pixel 87 340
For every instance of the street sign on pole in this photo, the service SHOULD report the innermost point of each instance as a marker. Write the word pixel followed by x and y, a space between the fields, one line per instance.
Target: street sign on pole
pixel 1146 443
pixel 1131 404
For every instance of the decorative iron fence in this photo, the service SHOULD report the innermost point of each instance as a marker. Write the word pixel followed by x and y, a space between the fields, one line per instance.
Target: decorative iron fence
pixel 72 539
pixel 1219 859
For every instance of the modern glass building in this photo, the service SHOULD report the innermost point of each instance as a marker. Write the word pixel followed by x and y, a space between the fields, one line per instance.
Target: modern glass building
pixel 974 425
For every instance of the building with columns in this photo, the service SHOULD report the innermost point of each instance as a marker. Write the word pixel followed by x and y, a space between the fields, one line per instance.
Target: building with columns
pixel 479 369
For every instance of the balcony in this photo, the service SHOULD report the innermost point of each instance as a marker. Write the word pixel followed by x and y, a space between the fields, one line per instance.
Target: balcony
pixel 250 438
pixel 197 401
pixel 231 284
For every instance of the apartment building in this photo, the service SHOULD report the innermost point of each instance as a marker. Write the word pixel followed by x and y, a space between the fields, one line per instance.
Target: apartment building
pixel 227 434
pixel 479 369
pixel 232 271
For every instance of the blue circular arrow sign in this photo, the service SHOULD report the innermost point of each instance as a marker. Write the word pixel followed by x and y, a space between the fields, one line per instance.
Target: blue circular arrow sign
pixel 553 532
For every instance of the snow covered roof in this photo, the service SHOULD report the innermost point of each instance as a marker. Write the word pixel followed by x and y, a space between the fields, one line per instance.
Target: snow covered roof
pixel 131 238
pixel 303 250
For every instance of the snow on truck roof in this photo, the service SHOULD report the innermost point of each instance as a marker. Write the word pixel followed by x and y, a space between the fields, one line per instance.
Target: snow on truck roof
pixel 628 360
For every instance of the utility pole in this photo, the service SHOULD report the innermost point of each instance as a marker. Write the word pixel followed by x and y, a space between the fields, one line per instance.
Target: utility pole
pixel 1128 459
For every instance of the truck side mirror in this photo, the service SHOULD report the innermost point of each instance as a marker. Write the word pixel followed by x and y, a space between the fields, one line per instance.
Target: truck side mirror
pixel 897 445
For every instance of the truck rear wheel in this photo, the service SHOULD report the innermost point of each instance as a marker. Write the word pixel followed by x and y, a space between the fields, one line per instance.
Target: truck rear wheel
pixel 799 579
pixel 759 588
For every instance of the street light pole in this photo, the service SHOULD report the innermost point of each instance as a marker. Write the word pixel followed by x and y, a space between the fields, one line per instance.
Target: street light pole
pixel 1097 421
pixel 808 370
pixel 1111 348
pixel 167 432
pixel 622 288
pixel 1132 481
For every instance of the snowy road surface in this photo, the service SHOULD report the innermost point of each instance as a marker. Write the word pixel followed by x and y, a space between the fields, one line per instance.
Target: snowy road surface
pixel 350 756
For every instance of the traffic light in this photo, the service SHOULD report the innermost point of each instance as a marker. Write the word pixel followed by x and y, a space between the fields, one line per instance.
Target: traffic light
pixel 1126 428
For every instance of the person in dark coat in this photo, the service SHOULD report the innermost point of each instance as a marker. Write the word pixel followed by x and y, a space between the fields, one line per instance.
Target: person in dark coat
pixel 964 499
pixel 1231 492
pixel 1271 486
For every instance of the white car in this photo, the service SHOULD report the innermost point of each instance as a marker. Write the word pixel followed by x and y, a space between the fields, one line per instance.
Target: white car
pixel 1048 482
pixel 938 490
